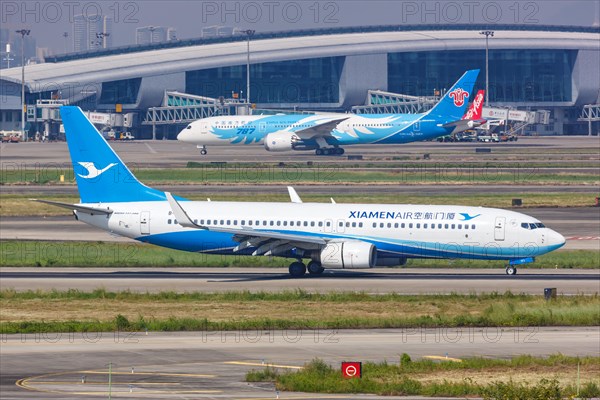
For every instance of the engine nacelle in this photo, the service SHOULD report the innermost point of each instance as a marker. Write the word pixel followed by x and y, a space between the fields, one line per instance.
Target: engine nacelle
pixel 280 141
pixel 348 254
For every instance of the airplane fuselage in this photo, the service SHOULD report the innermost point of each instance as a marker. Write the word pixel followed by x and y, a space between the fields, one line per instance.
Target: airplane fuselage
pixel 356 129
pixel 396 231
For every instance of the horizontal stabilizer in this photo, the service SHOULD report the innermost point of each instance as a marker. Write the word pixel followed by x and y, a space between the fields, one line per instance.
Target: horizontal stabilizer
pixel 77 207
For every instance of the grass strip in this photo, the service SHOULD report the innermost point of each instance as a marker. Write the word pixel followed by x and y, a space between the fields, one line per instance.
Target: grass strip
pixel 16 253
pixel 522 377
pixel 18 205
pixel 325 174
pixel 75 311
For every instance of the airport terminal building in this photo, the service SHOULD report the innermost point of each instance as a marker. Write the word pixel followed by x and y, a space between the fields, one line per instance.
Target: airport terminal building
pixel 531 67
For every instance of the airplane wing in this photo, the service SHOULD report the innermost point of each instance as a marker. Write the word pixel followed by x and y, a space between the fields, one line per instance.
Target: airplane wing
pixel 463 125
pixel 76 207
pixel 266 241
pixel 320 130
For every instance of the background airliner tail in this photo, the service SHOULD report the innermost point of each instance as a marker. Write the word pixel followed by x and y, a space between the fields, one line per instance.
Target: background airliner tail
pixel 454 103
pixel 101 175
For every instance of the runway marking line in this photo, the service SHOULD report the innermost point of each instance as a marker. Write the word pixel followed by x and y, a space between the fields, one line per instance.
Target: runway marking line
pixel 30 382
pixel 443 358
pixel 257 364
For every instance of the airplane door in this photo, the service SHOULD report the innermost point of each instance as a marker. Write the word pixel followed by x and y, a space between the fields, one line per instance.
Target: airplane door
pixel 262 127
pixel 499 228
pixel 145 222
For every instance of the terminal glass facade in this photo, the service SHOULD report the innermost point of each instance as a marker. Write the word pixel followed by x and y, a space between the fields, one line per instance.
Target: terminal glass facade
pixel 120 92
pixel 515 75
pixel 314 80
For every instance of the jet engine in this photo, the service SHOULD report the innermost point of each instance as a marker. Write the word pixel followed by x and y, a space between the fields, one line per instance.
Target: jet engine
pixel 348 254
pixel 281 141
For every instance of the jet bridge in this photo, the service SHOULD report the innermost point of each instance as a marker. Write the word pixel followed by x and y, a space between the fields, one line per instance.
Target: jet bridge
pixel 182 108
pixel 590 113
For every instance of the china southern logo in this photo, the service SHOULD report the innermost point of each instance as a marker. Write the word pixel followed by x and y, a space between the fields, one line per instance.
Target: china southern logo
pixel 467 217
pixel 92 171
pixel 459 96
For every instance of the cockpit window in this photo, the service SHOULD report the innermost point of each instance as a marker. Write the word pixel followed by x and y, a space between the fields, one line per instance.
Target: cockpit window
pixel 189 127
pixel 531 225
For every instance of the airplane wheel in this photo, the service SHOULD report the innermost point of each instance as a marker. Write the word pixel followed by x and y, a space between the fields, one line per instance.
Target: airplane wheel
pixel 510 270
pixel 297 269
pixel 340 151
pixel 203 152
pixel 326 152
pixel 319 152
pixel 315 268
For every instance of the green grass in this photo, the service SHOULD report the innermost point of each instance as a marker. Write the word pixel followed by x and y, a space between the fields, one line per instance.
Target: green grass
pixel 325 174
pixel 35 312
pixel 15 253
pixel 427 378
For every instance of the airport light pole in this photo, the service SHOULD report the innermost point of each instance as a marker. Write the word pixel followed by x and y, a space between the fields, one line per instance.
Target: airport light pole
pixel 249 33
pixel 23 33
pixel 487 76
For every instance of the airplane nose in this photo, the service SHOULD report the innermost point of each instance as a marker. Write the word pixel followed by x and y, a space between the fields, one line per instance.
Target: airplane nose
pixel 555 239
pixel 184 136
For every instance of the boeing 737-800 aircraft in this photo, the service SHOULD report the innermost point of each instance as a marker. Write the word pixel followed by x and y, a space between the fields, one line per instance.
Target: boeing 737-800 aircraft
pixel 332 236
pixel 326 133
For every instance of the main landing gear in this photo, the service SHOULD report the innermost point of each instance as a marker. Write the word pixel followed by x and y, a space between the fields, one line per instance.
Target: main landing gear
pixel 298 269
pixel 326 151
pixel 511 270
pixel 203 150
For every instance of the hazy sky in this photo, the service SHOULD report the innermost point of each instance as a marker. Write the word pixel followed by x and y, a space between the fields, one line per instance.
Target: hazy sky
pixel 48 20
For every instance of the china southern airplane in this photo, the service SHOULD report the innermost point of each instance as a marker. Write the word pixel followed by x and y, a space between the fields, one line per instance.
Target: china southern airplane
pixel 326 133
pixel 330 235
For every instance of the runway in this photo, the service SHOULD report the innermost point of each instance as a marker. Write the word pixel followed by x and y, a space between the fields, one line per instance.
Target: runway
pixel 213 364
pixel 171 153
pixel 379 280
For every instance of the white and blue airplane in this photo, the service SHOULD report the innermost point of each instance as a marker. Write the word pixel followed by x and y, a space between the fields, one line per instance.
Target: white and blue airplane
pixel 325 133
pixel 330 235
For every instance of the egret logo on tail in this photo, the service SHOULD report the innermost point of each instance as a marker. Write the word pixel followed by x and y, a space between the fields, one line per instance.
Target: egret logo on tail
pixel 92 171
pixel 459 96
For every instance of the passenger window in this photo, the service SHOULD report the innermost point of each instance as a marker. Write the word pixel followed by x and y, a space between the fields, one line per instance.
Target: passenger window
pixel 424 226
pixel 215 222
pixel 389 225
pixel 284 223
pixel 320 224
pixel 396 225
pixel 446 226
pixel 312 223
pixel 374 224
pixel 169 221
pixel 278 223
pixel 418 226
pixel 360 224
pixel 381 224
pixel 354 224
pixel 473 226
pixel 291 223
pixel 410 225
pixel 403 225
pixel 305 223
pixel 453 226
pixel 439 226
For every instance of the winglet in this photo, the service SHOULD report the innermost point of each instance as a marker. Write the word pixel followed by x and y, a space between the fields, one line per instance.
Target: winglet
pixel 182 217
pixel 294 198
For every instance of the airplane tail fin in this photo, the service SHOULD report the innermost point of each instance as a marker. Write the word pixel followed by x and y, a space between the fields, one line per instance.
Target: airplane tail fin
pixel 101 175
pixel 475 110
pixel 452 106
